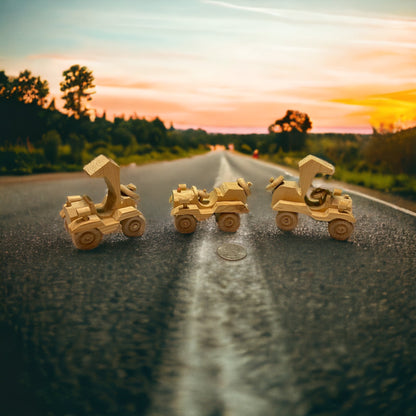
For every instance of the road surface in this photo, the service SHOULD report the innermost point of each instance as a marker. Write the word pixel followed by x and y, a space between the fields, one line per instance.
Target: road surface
pixel 161 325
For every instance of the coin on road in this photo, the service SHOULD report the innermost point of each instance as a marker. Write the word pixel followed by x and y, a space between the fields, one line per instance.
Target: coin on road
pixel 232 252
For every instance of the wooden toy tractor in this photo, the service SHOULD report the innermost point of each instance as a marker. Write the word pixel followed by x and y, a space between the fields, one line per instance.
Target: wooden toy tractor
pixel 88 222
pixel 226 202
pixel 292 198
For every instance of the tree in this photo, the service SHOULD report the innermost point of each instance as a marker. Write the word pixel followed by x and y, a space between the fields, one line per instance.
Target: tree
pixel 157 132
pixel 4 85
pixel 50 142
pixel 77 144
pixel 77 88
pixel 121 135
pixel 25 88
pixel 291 130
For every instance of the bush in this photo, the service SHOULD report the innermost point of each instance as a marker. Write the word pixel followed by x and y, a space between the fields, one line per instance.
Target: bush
pixel 50 143
pixel 18 160
pixel 245 148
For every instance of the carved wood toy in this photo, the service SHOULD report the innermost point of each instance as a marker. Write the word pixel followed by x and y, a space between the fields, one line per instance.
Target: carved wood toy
pixel 291 198
pixel 226 202
pixel 88 222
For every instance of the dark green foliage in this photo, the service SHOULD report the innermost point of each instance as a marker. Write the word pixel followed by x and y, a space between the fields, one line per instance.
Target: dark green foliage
pixel 50 143
pixel 38 139
pixel 384 162
pixel 17 160
pixel 77 88
pixel 392 152
pixel 122 136
pixel 291 130
pixel 25 88
pixel 77 144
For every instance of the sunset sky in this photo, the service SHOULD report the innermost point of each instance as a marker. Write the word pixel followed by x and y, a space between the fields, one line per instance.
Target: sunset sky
pixel 226 66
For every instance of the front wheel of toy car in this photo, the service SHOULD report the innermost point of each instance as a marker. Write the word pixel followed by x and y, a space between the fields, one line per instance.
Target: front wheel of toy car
pixel 133 227
pixel 340 229
pixel 185 224
pixel 87 240
pixel 286 221
pixel 229 222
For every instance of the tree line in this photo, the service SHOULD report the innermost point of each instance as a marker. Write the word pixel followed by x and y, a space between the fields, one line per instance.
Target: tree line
pixel 36 137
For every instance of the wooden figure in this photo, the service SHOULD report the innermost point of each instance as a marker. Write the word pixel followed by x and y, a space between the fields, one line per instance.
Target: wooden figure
pixel 88 222
pixel 226 202
pixel 291 198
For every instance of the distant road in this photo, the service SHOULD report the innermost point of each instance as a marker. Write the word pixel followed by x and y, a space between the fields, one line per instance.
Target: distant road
pixel 161 325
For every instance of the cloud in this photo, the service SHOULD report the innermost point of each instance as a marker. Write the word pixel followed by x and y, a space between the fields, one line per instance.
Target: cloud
pixel 318 17
pixel 397 109
pixel 129 84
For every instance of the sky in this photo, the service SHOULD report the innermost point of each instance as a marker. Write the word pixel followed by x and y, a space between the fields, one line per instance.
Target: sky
pixel 228 66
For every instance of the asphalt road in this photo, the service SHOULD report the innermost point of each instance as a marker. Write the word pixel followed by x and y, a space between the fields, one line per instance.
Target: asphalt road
pixel 161 325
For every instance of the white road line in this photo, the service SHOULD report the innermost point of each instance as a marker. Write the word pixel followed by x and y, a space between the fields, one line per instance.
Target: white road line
pixel 224 172
pixel 380 201
pixel 371 198
pixel 235 360
pixel 231 351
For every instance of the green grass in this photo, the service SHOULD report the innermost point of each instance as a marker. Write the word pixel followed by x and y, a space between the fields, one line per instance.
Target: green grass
pixel 19 161
pixel 404 185
pixel 400 184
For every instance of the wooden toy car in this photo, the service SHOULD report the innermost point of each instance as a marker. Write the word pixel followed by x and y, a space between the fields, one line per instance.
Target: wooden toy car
pixel 291 198
pixel 87 222
pixel 226 202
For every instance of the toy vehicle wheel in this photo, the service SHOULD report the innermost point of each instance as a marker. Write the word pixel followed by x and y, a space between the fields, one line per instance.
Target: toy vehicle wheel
pixel 87 240
pixel 134 226
pixel 286 221
pixel 185 224
pixel 340 229
pixel 229 222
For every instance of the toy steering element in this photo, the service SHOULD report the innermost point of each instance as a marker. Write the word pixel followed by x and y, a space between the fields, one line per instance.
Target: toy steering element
pixel 318 197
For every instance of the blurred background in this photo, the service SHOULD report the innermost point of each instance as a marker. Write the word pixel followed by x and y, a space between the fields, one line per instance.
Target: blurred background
pixel 144 81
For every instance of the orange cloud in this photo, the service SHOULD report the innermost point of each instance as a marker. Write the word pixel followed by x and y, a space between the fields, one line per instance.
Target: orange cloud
pixel 117 83
pixel 143 107
pixel 393 110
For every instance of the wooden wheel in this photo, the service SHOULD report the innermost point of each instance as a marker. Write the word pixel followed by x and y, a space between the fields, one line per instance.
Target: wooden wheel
pixel 229 222
pixel 185 224
pixel 87 240
pixel 340 229
pixel 286 221
pixel 133 227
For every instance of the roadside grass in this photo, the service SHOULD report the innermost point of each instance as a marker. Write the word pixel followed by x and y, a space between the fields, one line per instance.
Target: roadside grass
pixel 19 161
pixel 400 184
pixel 155 156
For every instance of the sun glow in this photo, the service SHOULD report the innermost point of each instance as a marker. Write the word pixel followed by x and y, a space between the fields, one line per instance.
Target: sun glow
pixel 390 111
pixel 225 64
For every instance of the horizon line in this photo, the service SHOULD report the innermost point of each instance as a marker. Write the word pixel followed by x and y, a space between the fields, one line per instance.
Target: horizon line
pixel 264 130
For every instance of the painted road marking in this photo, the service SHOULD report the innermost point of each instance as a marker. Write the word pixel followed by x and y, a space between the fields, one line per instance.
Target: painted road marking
pixel 229 358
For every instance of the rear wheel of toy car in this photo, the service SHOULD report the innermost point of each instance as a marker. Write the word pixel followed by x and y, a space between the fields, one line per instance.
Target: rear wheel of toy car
pixel 340 229
pixel 133 227
pixel 286 221
pixel 185 224
pixel 87 240
pixel 229 222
